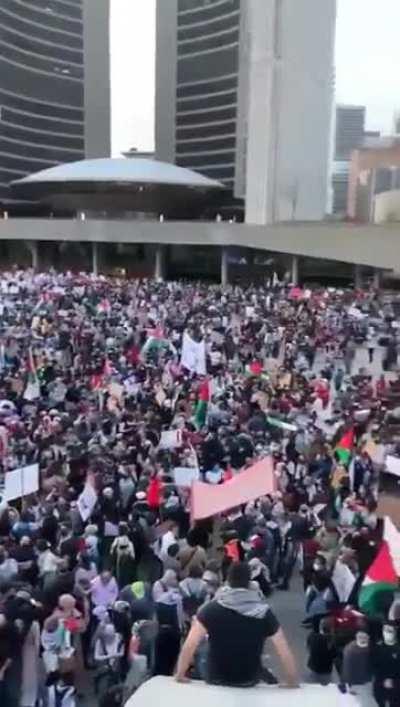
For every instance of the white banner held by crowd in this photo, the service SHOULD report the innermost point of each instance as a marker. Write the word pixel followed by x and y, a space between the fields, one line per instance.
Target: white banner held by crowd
pixel 21 482
pixel 193 355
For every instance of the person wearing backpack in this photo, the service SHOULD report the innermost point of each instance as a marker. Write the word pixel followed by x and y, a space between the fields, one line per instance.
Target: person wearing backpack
pixel 191 554
pixel 194 591
pixel 123 557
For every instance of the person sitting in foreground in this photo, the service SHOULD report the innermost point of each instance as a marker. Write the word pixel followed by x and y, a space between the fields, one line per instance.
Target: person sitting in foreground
pixel 238 621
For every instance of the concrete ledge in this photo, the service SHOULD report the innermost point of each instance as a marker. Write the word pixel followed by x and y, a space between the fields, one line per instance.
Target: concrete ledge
pixel 166 692
pixel 369 245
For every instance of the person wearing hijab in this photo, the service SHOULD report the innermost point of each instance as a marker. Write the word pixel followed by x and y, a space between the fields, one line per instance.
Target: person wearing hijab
pixel 169 613
pixel 194 590
pixel 108 651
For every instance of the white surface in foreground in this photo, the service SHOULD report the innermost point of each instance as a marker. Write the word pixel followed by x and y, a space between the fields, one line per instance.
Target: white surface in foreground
pixel 166 691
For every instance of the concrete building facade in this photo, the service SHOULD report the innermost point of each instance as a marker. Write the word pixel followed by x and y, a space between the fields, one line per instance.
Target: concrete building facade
pixel 47 49
pixel 245 94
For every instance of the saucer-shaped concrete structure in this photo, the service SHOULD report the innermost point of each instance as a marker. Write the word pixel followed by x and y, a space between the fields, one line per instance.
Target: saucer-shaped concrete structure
pixel 109 186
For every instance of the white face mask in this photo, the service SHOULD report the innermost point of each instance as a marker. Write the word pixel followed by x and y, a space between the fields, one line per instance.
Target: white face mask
pixel 389 637
pixel 362 642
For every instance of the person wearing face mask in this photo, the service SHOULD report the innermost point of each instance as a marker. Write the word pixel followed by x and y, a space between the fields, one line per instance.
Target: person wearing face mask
pixel 386 668
pixel 357 664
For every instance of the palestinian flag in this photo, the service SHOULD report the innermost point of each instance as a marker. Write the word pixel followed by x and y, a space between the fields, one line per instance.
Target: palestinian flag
pixel 344 447
pixel 203 399
pixel 155 342
pixel 32 390
pixel 382 576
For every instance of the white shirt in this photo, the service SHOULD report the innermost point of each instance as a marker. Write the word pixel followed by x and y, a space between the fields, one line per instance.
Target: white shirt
pixel 48 562
pixel 166 541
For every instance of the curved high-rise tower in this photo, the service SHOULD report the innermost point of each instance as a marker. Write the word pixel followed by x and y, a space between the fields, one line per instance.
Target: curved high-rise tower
pixel 245 95
pixel 41 86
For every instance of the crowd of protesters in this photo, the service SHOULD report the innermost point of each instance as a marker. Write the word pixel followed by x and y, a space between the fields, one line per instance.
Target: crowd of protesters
pixel 101 570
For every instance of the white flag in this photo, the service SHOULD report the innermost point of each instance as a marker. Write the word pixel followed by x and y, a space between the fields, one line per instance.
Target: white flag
pixel 344 581
pixel 32 391
pixel 193 355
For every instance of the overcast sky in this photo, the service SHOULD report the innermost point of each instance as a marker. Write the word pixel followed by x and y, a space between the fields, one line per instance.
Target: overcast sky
pixel 368 58
pixel 367 65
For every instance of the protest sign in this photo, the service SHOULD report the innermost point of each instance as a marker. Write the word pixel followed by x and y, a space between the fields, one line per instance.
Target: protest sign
pixel 21 482
pixel 87 501
pixel 170 439
pixel 184 476
pixel 392 465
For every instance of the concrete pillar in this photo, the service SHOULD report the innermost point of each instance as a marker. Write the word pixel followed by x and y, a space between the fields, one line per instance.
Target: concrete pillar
pixel 224 267
pixel 358 277
pixel 294 276
pixel 159 269
pixel 34 251
pixel 95 259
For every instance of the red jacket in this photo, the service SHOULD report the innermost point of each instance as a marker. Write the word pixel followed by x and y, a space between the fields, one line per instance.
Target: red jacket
pixel 154 493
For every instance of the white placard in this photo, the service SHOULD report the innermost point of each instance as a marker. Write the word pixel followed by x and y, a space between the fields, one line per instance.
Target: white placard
pixel 87 501
pixel 21 482
pixel 393 465
pixel 184 476
pixel 170 439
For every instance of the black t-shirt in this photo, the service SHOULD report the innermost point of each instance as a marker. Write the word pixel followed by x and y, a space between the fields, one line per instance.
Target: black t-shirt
pixel 235 643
